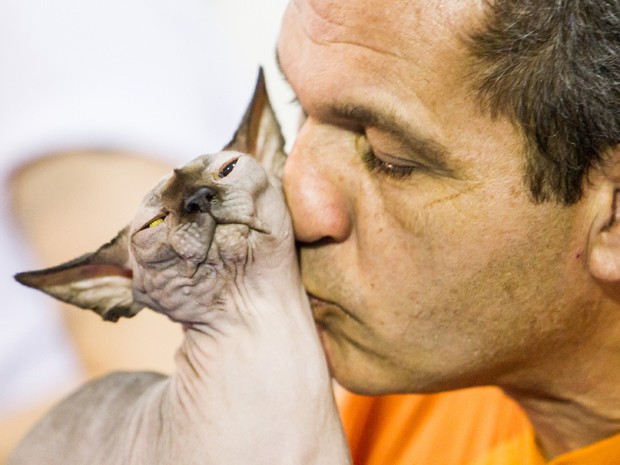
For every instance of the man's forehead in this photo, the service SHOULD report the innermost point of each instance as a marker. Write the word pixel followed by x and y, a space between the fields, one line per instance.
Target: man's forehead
pixel 410 91
pixel 421 40
pixel 342 20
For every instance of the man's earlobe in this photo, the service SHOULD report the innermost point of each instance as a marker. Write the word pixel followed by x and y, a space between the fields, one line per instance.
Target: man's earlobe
pixel 604 246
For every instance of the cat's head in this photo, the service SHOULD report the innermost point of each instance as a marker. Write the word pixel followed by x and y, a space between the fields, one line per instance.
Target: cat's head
pixel 187 232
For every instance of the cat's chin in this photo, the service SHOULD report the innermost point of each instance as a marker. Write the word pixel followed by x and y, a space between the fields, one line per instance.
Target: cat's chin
pixel 193 318
pixel 188 326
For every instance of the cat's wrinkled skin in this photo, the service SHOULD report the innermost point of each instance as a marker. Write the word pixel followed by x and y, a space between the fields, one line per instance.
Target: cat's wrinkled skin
pixel 211 247
pixel 182 261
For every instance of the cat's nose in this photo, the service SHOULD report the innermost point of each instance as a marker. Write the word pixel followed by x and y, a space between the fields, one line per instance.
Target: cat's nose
pixel 199 201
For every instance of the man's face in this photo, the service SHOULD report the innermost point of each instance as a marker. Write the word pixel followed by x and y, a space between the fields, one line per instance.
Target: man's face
pixel 431 267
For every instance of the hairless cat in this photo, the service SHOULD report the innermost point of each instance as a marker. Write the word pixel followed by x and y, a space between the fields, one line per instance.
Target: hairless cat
pixel 212 248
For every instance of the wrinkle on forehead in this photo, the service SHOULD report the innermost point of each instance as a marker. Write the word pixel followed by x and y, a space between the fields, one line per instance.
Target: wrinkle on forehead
pixel 335 22
pixel 381 25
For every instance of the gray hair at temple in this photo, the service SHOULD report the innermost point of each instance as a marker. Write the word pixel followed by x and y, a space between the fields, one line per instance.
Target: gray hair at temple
pixel 553 67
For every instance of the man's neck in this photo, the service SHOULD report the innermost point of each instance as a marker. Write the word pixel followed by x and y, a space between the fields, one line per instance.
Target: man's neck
pixel 574 400
pixel 563 425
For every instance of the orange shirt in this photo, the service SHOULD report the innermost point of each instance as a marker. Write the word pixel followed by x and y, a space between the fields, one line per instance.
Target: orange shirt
pixel 479 426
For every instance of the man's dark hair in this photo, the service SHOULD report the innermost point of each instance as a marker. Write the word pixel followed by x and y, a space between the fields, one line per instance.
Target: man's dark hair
pixel 553 67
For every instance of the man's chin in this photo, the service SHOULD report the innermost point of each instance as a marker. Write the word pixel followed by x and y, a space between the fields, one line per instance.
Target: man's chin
pixel 346 364
pixel 361 387
pixel 342 370
pixel 326 343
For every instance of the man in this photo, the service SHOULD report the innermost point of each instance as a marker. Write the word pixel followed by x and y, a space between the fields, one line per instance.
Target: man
pixel 454 189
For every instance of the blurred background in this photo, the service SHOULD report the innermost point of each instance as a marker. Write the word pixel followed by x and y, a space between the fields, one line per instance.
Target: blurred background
pixel 98 100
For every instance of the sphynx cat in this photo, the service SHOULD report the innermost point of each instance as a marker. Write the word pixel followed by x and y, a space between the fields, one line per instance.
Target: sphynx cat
pixel 212 248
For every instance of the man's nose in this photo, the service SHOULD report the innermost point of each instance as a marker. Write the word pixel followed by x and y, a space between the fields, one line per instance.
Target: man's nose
pixel 314 189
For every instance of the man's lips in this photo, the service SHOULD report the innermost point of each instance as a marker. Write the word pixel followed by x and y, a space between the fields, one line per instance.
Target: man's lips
pixel 320 307
pixel 323 309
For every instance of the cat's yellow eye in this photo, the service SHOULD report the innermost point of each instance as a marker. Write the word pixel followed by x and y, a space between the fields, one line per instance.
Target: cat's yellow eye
pixel 156 222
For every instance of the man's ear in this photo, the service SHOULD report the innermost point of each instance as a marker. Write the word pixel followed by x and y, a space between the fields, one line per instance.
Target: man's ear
pixel 259 133
pixel 99 281
pixel 604 241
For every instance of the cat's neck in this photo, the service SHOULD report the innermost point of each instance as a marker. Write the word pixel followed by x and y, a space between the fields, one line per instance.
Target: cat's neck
pixel 247 378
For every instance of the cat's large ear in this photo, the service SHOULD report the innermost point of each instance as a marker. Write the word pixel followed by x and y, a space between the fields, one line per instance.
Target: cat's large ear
pixel 99 281
pixel 259 133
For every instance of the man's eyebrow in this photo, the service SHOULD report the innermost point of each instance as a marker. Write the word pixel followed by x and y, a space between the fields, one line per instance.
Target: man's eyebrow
pixel 363 117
